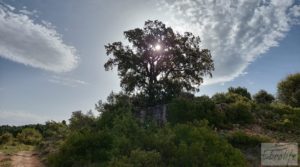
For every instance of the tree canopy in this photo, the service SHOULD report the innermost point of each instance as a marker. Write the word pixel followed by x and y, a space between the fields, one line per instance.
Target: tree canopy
pixel 289 90
pixel 240 91
pixel 159 63
pixel 263 97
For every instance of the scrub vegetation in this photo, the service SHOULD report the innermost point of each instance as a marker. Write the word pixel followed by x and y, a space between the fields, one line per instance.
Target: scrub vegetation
pixel 163 69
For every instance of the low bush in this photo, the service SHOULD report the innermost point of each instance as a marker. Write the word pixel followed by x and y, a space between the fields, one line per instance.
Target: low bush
pixel 6 138
pixel 29 136
pixel 242 139
pixel 263 97
pixel 281 109
pixel 130 143
pixel 55 130
pixel 81 121
pixel 195 145
pixel 239 113
pixel 182 110
pixel 286 119
pixel 288 90
pixel 83 149
pixel 242 91
pixel 137 158
pixel 228 98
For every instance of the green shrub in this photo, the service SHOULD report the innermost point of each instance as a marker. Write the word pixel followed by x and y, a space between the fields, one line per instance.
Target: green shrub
pixel 117 104
pixel 127 134
pixel 138 158
pixel 285 118
pixel 81 121
pixel 242 139
pixel 121 140
pixel 242 91
pixel 239 113
pixel 129 143
pixel 55 130
pixel 14 130
pixel 195 145
pixel 83 149
pixel 219 98
pixel 29 136
pixel 263 97
pixel 54 135
pixel 228 98
pixel 182 110
pixel 6 138
pixel 289 90
pixel 281 109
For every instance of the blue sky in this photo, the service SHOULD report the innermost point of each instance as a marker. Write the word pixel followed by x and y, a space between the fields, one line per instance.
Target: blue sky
pixel 52 52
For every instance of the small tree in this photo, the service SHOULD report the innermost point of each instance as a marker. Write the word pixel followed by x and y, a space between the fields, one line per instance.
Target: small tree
pixel 263 97
pixel 289 90
pixel 80 121
pixel 240 91
pixel 55 130
pixel 159 63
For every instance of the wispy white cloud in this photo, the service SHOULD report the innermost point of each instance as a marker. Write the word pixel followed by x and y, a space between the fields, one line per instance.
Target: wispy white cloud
pixel 66 81
pixel 295 11
pixel 236 31
pixel 35 44
pixel 19 118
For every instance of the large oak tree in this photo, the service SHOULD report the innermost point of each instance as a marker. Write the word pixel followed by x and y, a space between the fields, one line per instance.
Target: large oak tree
pixel 159 63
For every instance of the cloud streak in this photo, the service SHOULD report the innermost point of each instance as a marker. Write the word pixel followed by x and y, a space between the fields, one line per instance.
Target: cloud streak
pixel 33 44
pixel 19 118
pixel 65 81
pixel 236 31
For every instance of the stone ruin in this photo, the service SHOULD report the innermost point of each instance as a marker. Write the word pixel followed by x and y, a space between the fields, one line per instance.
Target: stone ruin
pixel 156 113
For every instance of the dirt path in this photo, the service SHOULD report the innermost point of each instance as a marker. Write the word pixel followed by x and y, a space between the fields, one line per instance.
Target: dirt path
pixel 23 159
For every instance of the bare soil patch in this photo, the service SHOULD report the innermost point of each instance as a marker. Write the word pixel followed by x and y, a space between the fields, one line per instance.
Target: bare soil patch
pixel 21 159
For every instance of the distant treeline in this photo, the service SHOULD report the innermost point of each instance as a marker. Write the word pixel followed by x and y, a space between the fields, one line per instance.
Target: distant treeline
pixel 14 130
pixel 42 128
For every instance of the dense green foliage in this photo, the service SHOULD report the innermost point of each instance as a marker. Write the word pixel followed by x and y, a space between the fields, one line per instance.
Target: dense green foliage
pixel 47 137
pixel 159 63
pixel 228 98
pixel 137 158
pixel 29 136
pixel 183 110
pixel 117 137
pixel 196 145
pixel 54 135
pixel 14 130
pixel 263 97
pixel 80 121
pixel 55 130
pixel 201 131
pixel 240 91
pixel 289 90
pixel 284 118
pixel 129 143
pixel 83 149
pixel 242 139
pixel 6 138
pixel 122 140
pixel 239 113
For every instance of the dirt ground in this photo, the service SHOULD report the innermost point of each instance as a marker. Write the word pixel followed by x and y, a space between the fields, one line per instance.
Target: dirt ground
pixel 20 159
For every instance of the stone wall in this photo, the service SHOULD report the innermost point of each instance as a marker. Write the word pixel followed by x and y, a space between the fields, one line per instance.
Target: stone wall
pixel 156 113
